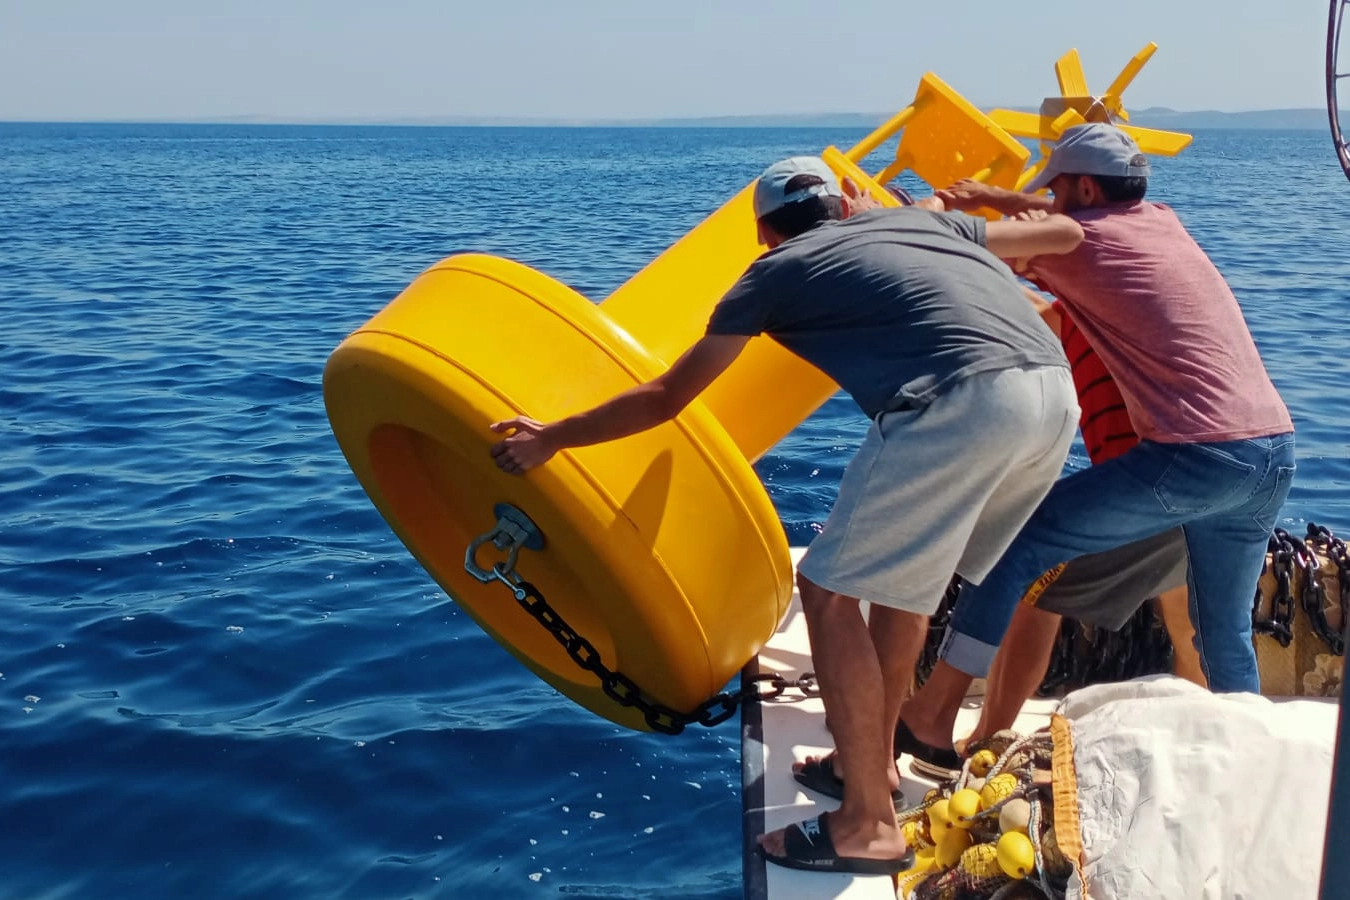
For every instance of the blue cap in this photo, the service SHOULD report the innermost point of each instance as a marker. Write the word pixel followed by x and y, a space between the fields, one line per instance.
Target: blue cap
pixel 1096 148
pixel 775 188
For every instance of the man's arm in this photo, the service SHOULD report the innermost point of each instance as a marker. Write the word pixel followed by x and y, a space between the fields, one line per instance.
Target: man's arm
pixel 968 196
pixel 1036 234
pixel 533 443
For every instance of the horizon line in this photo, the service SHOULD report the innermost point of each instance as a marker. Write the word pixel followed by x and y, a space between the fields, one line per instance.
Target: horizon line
pixel 601 121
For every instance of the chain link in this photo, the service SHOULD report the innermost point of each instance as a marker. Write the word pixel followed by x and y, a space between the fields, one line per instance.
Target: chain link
pixel 1286 553
pixel 1283 552
pixel 1082 654
pixel 1314 593
pixel 625 692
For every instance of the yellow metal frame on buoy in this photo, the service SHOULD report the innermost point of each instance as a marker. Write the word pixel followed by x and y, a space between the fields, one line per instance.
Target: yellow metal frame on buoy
pixel 662 550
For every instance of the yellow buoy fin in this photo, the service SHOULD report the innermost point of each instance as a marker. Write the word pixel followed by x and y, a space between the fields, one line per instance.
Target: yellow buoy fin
pixel 1161 143
pixel 1032 125
pixel 1077 104
pixel 1069 71
pixel 944 138
pixel 1127 74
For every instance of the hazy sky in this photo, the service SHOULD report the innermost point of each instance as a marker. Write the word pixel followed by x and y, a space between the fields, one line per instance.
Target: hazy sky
pixel 307 60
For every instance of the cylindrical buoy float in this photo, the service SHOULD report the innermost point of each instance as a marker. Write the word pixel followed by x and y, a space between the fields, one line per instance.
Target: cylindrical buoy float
pixel 662 550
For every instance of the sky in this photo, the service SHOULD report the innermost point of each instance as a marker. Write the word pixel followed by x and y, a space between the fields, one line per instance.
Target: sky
pixel 342 60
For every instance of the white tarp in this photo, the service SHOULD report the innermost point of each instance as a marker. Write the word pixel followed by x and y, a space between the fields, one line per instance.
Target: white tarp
pixel 1190 795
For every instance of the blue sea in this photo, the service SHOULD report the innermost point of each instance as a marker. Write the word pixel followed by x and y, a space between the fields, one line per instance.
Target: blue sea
pixel 222 676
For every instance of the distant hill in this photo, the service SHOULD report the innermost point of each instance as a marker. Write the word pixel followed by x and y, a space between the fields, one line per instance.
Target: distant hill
pixel 803 120
pixel 1288 119
pixel 1154 117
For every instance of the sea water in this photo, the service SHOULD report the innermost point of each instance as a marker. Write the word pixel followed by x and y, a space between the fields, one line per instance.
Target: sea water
pixel 221 676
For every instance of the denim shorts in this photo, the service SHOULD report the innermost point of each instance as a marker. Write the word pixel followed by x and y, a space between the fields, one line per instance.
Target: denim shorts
pixel 1224 495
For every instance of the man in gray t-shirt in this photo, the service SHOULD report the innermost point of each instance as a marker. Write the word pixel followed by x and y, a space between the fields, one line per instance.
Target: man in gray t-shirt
pixel 972 412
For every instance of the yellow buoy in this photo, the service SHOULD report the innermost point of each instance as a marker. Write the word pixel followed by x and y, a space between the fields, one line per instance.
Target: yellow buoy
pixel 981 762
pixel 938 828
pixel 1016 855
pixel 628 543
pixel 962 807
pixel 997 788
pixel 915 833
pixel 950 848
pixel 981 860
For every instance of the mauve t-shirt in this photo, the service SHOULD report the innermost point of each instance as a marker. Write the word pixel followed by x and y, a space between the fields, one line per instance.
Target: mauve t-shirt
pixel 1167 326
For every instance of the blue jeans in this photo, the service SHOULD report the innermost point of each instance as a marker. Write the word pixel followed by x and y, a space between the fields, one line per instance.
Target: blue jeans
pixel 1224 495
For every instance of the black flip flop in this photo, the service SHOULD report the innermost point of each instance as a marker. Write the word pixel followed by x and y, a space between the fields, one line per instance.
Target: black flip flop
pixel 935 762
pixel 808 846
pixel 819 775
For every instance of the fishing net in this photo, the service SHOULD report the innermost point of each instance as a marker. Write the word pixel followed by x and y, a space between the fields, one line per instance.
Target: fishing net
pixel 989 832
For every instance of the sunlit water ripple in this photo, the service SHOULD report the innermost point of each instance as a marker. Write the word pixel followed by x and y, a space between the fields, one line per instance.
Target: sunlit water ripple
pixel 221 675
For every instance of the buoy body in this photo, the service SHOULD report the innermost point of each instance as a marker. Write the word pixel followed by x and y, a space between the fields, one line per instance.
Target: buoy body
pixel 662 550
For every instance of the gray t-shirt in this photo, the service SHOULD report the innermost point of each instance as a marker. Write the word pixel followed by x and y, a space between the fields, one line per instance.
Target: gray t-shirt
pixel 896 305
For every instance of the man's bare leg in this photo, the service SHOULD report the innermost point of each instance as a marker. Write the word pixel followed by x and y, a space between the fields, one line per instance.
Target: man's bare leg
pixel 853 692
pixel 1177 618
pixel 898 637
pixel 1019 668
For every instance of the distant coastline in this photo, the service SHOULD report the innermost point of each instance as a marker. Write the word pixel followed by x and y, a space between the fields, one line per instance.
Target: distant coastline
pixel 1152 117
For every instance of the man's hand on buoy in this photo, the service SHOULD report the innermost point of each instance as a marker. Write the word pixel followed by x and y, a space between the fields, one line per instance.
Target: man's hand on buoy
pixel 528 446
pixel 856 199
pixel 967 195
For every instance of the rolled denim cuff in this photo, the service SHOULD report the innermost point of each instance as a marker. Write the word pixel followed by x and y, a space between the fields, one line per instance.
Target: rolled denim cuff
pixel 966 654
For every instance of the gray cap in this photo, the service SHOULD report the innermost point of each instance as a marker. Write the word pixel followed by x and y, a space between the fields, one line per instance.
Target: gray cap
pixel 1096 148
pixel 772 190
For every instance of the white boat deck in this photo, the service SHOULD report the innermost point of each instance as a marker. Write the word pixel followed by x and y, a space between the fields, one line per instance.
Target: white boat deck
pixel 776 733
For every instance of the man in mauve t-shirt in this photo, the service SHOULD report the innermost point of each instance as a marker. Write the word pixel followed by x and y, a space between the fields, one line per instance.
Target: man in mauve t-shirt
pixel 1216 450
pixel 1102 589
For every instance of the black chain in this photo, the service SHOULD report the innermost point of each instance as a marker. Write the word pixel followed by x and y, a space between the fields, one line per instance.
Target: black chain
pixel 625 692
pixel 1283 552
pixel 1314 594
pixel 1082 655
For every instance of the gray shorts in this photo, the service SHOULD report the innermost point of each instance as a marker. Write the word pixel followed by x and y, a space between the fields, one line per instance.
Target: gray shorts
pixel 1106 588
pixel 944 488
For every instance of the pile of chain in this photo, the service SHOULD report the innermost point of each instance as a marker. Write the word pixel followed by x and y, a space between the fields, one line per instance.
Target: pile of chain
pixel 1086 655
pixel 989 832
pixel 1302 570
